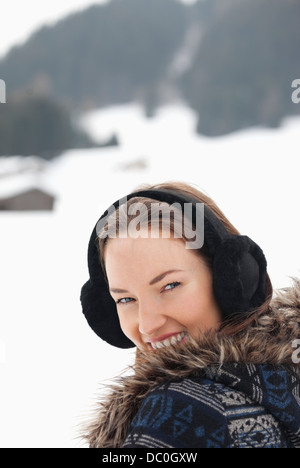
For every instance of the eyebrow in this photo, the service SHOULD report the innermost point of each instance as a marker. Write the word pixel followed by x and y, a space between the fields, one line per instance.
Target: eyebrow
pixel 153 281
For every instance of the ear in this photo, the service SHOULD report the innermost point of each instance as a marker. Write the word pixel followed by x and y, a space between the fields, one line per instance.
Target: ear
pixel 100 311
pixel 239 275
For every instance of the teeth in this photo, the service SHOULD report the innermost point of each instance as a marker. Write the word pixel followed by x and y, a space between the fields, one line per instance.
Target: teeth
pixel 168 342
pixel 173 340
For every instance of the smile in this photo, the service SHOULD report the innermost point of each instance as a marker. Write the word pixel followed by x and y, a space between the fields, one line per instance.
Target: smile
pixel 173 340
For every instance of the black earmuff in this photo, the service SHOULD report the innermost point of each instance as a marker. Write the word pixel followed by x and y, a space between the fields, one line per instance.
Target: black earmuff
pixel 238 268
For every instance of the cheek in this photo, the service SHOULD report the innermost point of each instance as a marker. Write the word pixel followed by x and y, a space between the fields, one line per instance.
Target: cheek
pixel 123 323
pixel 128 325
pixel 198 297
pixel 192 312
pixel 199 309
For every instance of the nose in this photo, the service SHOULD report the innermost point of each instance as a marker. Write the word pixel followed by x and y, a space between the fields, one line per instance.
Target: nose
pixel 151 318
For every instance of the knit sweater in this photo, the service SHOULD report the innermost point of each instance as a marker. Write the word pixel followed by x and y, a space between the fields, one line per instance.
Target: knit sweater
pixel 221 391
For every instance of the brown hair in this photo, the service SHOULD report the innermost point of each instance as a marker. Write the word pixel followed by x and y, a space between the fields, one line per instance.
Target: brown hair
pixel 231 325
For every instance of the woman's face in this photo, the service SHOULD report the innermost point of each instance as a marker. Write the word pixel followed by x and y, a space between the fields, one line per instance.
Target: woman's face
pixel 162 290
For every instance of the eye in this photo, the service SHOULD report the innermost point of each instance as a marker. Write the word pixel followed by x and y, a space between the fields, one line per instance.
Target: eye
pixel 171 285
pixel 124 300
pixel 168 287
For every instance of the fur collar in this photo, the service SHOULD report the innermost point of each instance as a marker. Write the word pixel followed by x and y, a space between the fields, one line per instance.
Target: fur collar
pixel 267 341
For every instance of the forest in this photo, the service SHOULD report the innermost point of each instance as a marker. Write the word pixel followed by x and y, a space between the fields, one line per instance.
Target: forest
pixel 232 61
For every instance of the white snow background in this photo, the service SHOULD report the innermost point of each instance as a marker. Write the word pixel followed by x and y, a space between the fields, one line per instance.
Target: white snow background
pixel 52 365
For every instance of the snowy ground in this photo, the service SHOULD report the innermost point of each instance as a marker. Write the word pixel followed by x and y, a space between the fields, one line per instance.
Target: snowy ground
pixel 51 363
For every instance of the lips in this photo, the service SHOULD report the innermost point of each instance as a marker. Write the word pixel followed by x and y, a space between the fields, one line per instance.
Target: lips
pixel 168 340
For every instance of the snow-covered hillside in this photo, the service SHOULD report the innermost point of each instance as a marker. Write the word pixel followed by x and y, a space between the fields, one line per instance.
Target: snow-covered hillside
pixel 51 363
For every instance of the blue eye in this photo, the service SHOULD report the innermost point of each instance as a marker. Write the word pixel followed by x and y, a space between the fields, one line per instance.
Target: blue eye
pixel 168 287
pixel 171 285
pixel 124 300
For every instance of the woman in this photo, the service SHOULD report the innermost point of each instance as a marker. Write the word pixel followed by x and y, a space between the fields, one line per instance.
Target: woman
pixel 217 360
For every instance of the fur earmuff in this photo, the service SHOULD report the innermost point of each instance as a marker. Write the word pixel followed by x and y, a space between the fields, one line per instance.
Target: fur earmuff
pixel 239 275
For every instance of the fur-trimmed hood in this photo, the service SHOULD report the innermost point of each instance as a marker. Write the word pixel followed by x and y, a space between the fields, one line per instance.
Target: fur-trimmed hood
pixel 274 339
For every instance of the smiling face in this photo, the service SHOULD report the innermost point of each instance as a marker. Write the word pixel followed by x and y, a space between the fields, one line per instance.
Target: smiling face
pixel 162 290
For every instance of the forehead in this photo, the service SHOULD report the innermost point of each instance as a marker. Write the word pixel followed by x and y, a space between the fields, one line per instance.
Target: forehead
pixel 147 255
pixel 143 247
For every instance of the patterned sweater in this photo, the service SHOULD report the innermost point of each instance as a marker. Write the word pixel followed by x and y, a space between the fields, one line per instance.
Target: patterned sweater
pixel 223 391
pixel 237 406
